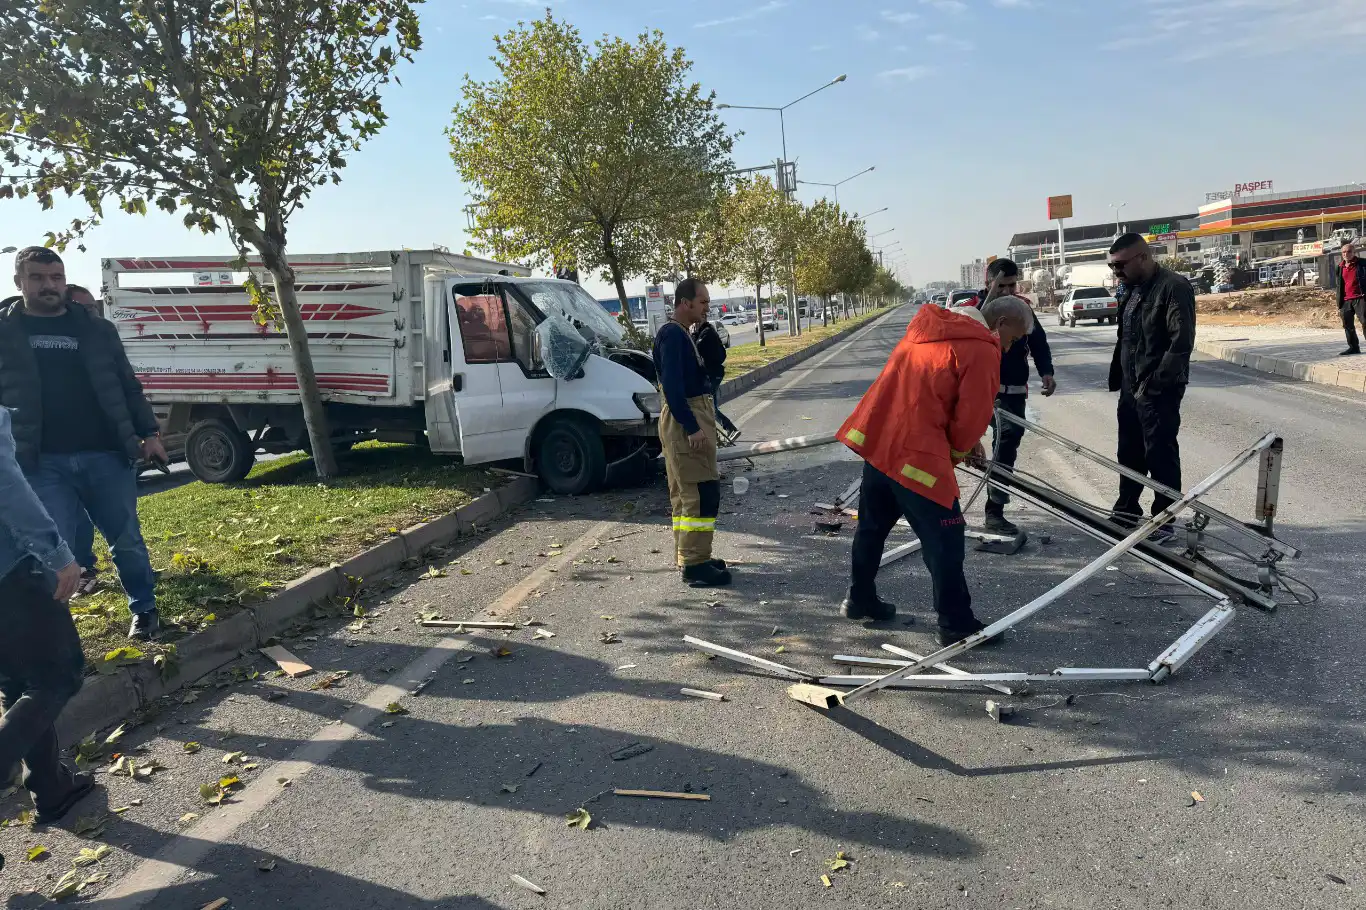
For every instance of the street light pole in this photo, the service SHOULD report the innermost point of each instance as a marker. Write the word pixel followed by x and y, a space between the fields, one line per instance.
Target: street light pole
pixel 836 186
pixel 871 214
pixel 1117 208
pixel 1362 231
pixel 794 313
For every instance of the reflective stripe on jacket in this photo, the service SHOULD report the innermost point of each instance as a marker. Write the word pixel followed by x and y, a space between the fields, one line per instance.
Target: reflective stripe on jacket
pixel 930 405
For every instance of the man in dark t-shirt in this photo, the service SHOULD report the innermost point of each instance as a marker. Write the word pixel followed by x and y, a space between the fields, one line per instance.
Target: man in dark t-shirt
pixel 80 420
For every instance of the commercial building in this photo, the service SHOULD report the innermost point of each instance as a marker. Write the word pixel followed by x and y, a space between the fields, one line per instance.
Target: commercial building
pixel 1091 242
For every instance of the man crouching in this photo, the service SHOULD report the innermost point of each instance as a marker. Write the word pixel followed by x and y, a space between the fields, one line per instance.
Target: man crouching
pixel 925 414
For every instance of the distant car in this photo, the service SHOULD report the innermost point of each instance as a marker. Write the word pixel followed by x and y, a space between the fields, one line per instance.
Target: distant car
pixel 641 324
pixel 733 319
pixel 938 299
pixel 770 322
pixel 722 332
pixel 961 297
pixel 1088 303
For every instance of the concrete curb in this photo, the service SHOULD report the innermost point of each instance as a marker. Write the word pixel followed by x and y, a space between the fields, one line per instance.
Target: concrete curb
pixel 107 699
pixel 1317 373
pixel 732 388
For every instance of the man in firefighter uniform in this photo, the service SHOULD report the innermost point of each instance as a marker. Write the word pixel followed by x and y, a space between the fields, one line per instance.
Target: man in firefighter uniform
pixel 687 432
pixel 924 414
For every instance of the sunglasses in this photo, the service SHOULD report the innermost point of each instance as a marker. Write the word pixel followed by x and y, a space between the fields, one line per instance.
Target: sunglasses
pixel 1119 266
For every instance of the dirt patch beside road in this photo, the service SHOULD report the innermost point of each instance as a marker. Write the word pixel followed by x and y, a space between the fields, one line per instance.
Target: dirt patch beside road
pixel 1289 307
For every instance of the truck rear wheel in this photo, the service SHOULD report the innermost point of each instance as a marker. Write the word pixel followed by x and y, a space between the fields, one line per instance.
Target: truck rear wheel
pixel 570 457
pixel 218 452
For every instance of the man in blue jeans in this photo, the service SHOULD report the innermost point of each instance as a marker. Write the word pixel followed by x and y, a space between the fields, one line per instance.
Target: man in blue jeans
pixel 41 663
pixel 80 420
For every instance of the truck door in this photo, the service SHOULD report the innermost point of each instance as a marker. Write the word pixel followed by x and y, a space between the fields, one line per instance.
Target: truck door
pixel 488 382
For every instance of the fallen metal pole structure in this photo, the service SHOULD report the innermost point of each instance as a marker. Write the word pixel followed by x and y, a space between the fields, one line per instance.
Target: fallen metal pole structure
pixel 773 446
pixel 1095 567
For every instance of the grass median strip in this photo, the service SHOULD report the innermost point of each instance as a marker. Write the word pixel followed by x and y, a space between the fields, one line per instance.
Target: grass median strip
pixel 219 547
pixel 743 358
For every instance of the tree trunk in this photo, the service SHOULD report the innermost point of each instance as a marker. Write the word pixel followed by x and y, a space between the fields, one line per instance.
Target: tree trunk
pixel 315 415
pixel 759 307
pixel 825 310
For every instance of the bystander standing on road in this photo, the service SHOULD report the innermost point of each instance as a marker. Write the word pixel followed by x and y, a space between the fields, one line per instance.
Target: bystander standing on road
pixel 1003 278
pixel 41 662
pixel 1150 368
pixel 1351 296
pixel 687 433
pixel 714 361
pixel 925 413
pixel 80 420
pixel 82 541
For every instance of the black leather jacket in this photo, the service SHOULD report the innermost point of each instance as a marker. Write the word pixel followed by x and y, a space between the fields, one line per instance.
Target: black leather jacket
pixel 1158 355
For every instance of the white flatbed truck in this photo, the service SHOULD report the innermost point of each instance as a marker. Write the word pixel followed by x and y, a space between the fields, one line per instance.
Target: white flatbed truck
pixel 467 356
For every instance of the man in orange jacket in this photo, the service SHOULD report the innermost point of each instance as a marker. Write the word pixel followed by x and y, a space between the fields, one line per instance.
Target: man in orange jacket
pixel 924 414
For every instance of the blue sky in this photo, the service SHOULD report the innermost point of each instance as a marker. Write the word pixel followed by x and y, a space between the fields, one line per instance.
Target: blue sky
pixel 972 112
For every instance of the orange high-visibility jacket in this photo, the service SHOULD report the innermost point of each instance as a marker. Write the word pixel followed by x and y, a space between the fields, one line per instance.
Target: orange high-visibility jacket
pixel 931 404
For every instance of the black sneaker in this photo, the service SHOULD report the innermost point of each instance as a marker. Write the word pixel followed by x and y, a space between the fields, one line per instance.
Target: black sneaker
pixel 706 575
pixel 81 785
pixel 877 609
pixel 89 583
pixel 1350 352
pixel 947 637
pixel 997 523
pixel 145 627
pixel 1163 535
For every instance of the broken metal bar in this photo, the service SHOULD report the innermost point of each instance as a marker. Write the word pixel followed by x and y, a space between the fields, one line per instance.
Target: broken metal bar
pixel 1221 517
pixel 850 493
pixel 741 657
pixel 943 668
pixel 1269 484
pixel 773 446
pixel 1081 577
pixel 906 549
pixel 947 681
pixel 1195 638
pixel 1195 575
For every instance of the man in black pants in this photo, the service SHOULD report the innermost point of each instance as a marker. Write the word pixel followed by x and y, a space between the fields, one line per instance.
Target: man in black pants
pixel 1003 278
pixel 41 664
pixel 1351 296
pixel 1150 369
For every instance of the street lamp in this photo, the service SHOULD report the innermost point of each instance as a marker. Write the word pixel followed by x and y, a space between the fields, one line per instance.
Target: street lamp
pixel 782 124
pixel 1117 208
pixel 871 214
pixel 882 233
pixel 836 186
pixel 1362 187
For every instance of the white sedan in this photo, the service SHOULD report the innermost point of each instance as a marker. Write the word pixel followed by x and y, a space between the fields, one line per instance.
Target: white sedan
pixel 1088 303
pixel 733 319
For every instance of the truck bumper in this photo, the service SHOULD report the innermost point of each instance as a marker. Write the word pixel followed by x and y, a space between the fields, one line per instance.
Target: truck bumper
pixel 641 427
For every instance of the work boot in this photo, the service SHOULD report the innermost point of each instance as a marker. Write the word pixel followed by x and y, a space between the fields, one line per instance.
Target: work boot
pixel 81 785
pixel 947 637
pixel 867 608
pixel 145 626
pixel 719 563
pixel 997 523
pixel 1349 352
pixel 706 575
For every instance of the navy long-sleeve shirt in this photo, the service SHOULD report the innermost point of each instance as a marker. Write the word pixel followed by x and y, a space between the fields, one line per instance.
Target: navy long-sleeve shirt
pixel 681 374
pixel 1015 362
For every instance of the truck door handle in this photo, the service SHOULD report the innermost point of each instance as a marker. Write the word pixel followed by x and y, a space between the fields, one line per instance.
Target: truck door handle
pixel 458 382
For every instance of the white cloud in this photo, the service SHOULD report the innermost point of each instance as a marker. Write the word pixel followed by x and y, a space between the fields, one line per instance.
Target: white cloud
pixel 1013 4
pixel 948 6
pixel 1200 30
pixel 949 41
pixel 906 73
pixel 899 18
pixel 772 6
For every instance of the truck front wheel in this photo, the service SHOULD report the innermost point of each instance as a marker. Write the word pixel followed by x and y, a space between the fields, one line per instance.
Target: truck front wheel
pixel 218 452
pixel 570 457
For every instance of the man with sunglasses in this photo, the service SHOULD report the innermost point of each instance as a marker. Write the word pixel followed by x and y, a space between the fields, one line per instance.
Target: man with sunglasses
pixel 1149 369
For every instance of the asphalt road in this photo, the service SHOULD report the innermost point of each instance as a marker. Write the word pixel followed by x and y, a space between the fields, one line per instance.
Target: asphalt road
pixel 1081 805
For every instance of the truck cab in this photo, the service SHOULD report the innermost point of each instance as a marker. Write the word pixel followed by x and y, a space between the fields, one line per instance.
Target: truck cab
pixel 539 372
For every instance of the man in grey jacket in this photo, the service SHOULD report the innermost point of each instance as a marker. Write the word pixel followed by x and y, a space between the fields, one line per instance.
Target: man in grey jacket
pixel 41 663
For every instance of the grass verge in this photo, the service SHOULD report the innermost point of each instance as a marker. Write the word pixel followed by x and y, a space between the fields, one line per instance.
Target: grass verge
pixel 219 547
pixel 743 358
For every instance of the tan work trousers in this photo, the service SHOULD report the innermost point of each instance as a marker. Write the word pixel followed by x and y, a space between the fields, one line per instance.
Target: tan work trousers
pixel 694 487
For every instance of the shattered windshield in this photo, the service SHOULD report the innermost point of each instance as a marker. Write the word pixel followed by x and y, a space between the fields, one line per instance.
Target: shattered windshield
pixel 563 348
pixel 566 299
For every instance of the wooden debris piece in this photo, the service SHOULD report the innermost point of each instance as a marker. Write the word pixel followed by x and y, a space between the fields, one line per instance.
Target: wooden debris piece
pixel 661 794
pixel 467 623
pixel 291 665
pixel 701 693
pixel 819 696
pixel 529 885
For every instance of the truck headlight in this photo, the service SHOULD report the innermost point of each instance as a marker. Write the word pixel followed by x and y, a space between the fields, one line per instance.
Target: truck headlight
pixel 648 402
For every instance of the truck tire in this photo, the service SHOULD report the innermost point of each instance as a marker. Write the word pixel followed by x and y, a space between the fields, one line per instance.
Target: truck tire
pixel 218 452
pixel 570 457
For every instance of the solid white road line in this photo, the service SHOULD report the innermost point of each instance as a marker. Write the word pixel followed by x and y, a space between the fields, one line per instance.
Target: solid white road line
pixel 187 849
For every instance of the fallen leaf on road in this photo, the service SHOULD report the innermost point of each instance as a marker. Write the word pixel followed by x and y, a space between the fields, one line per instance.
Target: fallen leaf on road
pixel 67 885
pixel 500 562
pixel 395 708
pixel 825 880
pixel 116 735
pixel 1195 795
pixel 502 652
pixel 579 818
pixel 433 572
pixel 543 633
pixel 608 618
pixel 89 826
pixel 509 788
pixel 36 853
pixel 89 856
pixel 609 638
pixel 230 782
pixel 211 794
pixel 190 816
pixel 839 862
pixel 1335 879
pixel 191 748
pixel 780 649
pixel 232 758
pixel 283 781
pixel 120 810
